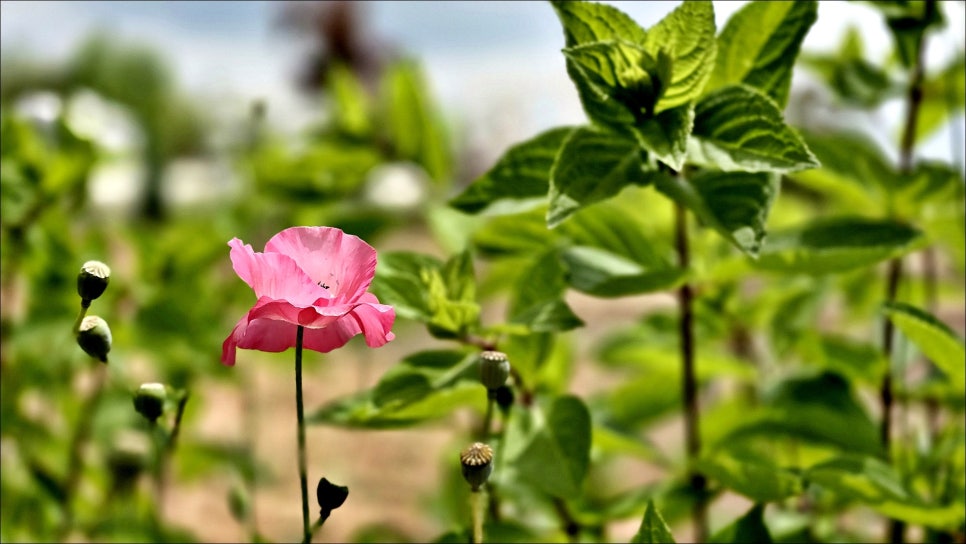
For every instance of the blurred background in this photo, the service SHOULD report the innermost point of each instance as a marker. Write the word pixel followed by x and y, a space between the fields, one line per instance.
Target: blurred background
pixel 148 134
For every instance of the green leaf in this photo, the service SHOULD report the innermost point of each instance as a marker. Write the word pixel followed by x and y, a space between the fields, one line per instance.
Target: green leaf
pixel 623 81
pixel 934 339
pixel 426 385
pixel 908 22
pixel 653 529
pixel 654 387
pixel 738 128
pixel 853 79
pixel 537 300
pixel 837 245
pixel 860 362
pixel 666 135
pixel 687 35
pixel 399 282
pixel 587 22
pixel 521 234
pixel 756 478
pixel 943 96
pixel 820 409
pixel 748 528
pixel 359 412
pixel 522 174
pixel 875 484
pixel 736 204
pixel 854 170
pixel 936 183
pixel 591 166
pixel 618 226
pixel 600 103
pixel 601 273
pixel 611 441
pixel 557 454
pixel 452 297
pixel 543 360
pixel 411 122
pixel 351 113
pixel 759 44
pixel 443 295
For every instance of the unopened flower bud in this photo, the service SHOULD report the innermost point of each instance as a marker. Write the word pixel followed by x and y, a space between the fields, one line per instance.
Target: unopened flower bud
pixel 92 280
pixel 494 369
pixel 477 464
pixel 127 458
pixel 149 400
pixel 94 337
pixel 330 497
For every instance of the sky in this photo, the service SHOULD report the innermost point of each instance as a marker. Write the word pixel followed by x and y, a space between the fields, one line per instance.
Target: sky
pixel 496 67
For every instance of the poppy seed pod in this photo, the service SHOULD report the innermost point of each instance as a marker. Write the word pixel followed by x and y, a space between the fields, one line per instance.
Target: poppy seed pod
pixel 149 400
pixel 494 369
pixel 477 464
pixel 94 337
pixel 92 280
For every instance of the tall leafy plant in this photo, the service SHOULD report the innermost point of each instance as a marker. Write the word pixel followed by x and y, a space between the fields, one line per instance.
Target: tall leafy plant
pixel 694 114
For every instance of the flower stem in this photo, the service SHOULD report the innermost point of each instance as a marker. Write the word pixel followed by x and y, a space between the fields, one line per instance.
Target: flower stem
pixel 488 418
pixel 300 408
pixel 85 304
pixel 476 510
pixel 692 433
pixel 81 435
pixel 166 452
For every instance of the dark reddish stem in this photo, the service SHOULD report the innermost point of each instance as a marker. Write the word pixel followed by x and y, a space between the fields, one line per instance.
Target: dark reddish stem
pixel 692 431
pixel 896 529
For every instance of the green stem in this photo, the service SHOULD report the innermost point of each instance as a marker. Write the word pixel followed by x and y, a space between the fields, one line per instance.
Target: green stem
pixel 249 475
pixel 85 304
pixel 300 408
pixel 570 525
pixel 488 417
pixel 476 509
pixel 692 432
pixel 81 436
pixel 166 452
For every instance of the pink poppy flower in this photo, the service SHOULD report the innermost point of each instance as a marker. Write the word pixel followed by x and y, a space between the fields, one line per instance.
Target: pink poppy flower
pixel 311 276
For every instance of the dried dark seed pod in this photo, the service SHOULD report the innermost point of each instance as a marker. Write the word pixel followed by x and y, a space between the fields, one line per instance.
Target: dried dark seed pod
pixel 504 397
pixel 330 496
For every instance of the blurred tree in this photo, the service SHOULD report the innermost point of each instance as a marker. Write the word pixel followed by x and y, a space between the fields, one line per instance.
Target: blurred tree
pixel 137 78
pixel 338 38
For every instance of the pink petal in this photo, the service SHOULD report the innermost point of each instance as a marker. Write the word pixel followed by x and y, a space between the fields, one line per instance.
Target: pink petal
pixel 261 334
pixel 372 320
pixel 274 275
pixel 311 316
pixel 344 263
